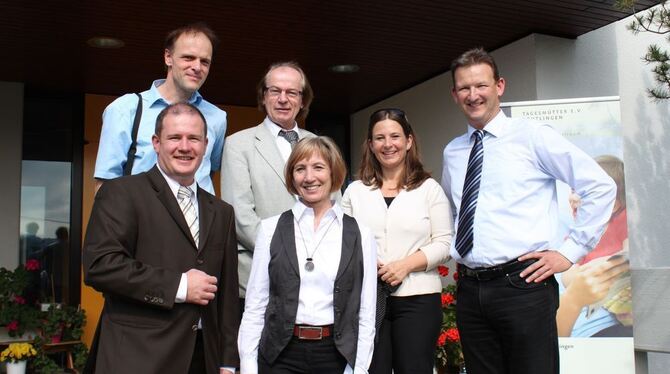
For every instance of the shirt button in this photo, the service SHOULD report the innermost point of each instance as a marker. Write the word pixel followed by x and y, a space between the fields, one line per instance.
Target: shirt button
pixel 337 289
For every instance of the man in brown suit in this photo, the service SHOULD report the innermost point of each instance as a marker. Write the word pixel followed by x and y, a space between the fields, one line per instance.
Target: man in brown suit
pixel 163 252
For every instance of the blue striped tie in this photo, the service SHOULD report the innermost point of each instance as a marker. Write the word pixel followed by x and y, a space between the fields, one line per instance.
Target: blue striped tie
pixel 466 214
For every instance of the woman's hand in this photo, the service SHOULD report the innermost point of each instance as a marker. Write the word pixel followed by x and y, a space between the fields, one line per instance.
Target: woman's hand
pixel 395 272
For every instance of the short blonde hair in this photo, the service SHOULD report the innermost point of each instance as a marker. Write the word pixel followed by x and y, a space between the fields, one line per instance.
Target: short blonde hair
pixel 326 148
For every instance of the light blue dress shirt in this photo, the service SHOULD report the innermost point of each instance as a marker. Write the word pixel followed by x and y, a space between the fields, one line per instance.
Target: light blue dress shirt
pixel 517 208
pixel 117 125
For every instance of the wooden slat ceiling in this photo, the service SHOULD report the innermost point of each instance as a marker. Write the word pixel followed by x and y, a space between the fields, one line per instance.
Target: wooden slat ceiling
pixel 397 44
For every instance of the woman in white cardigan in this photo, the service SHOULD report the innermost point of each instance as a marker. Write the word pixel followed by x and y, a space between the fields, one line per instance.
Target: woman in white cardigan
pixel 411 219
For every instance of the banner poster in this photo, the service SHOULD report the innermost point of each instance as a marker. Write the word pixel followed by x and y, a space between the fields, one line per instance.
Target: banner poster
pixel 595 320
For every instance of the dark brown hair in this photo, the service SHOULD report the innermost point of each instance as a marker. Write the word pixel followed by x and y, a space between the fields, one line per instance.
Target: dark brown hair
pixel 175 110
pixel 307 93
pixel 193 28
pixel 323 146
pixel 370 171
pixel 474 56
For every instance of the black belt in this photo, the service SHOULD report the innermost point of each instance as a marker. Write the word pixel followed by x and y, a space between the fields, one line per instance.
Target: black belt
pixel 493 272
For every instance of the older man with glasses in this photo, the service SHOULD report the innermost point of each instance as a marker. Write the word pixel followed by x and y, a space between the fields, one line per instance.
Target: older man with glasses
pixel 252 173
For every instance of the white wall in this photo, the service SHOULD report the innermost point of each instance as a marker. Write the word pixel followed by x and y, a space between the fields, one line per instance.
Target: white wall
pixel 11 122
pixel 431 109
pixel 604 62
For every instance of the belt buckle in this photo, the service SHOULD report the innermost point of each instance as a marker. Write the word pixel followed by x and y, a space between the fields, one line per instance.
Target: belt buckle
pixel 310 328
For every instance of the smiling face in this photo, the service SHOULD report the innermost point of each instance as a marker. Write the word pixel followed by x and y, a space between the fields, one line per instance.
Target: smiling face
pixel 389 144
pixel 312 179
pixel 478 93
pixel 283 96
pixel 188 62
pixel 180 146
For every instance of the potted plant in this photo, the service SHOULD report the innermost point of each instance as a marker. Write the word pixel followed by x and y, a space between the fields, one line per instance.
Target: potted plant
pixel 449 354
pixel 53 322
pixel 42 363
pixel 17 314
pixel 74 320
pixel 16 356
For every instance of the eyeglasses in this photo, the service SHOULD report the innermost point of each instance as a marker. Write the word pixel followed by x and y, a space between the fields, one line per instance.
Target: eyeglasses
pixel 275 92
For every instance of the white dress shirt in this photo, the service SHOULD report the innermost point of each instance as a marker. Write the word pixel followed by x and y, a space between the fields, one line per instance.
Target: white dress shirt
pixel 419 219
pixel 315 299
pixel 517 207
pixel 282 143
pixel 174 187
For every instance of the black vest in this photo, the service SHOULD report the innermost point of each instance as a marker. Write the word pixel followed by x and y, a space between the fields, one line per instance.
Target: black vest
pixel 284 276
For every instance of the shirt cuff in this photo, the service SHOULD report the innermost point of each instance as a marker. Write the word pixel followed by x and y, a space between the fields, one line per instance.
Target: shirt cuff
pixel 572 251
pixel 249 366
pixel 183 288
pixel 229 368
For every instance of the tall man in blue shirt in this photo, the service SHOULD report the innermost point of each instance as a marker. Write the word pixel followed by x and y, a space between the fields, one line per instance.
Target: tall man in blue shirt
pixel 188 57
pixel 501 177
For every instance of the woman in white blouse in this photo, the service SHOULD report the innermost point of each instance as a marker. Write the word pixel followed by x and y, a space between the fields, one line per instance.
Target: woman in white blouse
pixel 310 304
pixel 411 219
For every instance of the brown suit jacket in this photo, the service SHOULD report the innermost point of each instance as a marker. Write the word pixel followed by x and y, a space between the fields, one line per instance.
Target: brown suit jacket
pixel 137 246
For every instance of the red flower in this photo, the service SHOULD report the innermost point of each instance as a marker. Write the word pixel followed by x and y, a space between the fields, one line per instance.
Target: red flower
pixel 12 326
pixel 456 276
pixel 32 264
pixel 19 299
pixel 447 299
pixel 452 335
pixel 442 339
pixel 443 270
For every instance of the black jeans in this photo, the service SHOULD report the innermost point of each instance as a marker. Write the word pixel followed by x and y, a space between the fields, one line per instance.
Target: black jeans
pixel 307 357
pixel 408 335
pixel 508 326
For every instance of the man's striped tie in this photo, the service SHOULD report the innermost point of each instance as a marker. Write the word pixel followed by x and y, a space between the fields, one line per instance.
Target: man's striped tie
pixel 186 205
pixel 466 214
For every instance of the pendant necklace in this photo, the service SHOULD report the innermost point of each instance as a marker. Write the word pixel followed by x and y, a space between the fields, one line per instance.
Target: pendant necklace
pixel 309 264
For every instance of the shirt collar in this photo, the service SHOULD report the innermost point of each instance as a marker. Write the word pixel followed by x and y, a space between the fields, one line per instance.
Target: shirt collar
pixel 275 128
pixel 301 211
pixel 495 127
pixel 154 95
pixel 174 185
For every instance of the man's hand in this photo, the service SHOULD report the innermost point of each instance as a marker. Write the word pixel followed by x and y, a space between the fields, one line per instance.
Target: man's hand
pixel 224 371
pixel 201 287
pixel 548 262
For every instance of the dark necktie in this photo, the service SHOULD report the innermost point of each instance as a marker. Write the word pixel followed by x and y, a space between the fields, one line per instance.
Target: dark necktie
pixel 290 136
pixel 466 214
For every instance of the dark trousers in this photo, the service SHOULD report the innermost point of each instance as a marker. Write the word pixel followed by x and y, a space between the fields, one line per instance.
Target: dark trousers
pixel 508 326
pixel 408 335
pixel 198 359
pixel 306 357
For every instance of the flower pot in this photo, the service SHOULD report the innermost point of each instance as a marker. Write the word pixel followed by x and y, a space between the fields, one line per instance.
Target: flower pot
pixel 449 369
pixel 18 367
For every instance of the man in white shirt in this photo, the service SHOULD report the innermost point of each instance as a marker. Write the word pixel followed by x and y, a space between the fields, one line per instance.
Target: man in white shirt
pixel 252 172
pixel 501 177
